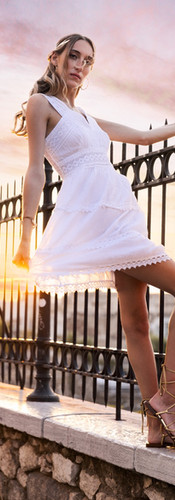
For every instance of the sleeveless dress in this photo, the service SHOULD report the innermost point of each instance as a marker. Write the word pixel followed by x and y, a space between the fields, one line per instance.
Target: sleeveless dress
pixel 97 226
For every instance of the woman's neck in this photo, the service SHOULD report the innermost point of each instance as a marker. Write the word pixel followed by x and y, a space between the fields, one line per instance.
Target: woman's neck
pixel 70 98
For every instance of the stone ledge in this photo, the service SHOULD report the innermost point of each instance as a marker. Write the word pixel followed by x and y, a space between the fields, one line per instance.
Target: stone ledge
pixel 87 428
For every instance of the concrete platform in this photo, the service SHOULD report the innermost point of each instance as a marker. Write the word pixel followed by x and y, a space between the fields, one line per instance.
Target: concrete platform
pixel 87 428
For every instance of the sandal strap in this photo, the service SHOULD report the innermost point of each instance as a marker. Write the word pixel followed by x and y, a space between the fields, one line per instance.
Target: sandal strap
pixel 145 412
pixel 164 382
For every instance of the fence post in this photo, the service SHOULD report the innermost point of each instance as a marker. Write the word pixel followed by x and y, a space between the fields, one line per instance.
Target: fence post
pixel 43 391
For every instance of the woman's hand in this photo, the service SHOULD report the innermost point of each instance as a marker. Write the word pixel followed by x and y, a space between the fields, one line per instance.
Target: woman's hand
pixel 22 256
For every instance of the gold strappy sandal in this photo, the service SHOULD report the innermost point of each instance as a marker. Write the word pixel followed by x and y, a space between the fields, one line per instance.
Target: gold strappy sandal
pixel 170 410
pixel 145 412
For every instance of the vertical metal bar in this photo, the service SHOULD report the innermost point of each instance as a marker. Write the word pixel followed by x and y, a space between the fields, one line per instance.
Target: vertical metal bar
pixel 165 143
pixel 55 338
pixel 108 318
pixel 65 317
pixel 123 151
pixel 85 338
pixel 43 391
pixel 5 278
pixel 25 331
pixel 4 297
pixel 108 324
pixel 18 312
pixel 149 211
pixel 136 150
pixel 150 148
pixel 161 317
pixel 33 332
pixel 64 336
pixel 74 337
pixel 96 338
pixel 26 311
pixel 11 291
pixel 111 152
pixel 118 384
pixel 75 317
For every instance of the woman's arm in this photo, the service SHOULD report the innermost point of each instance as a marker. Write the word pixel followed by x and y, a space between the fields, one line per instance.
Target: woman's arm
pixel 36 117
pixel 130 135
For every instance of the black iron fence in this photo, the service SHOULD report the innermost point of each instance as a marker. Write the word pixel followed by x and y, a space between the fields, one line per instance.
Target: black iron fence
pixel 78 337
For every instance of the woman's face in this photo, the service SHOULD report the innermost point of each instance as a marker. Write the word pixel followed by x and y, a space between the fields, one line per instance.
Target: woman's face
pixel 79 64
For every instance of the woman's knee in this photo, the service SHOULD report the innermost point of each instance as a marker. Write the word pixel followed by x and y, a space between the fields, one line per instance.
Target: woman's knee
pixel 136 325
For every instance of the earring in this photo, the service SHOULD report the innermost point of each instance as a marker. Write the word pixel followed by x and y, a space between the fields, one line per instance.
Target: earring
pixel 86 84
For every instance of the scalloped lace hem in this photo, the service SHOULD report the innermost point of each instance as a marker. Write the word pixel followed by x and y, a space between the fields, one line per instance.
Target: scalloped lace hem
pixel 51 284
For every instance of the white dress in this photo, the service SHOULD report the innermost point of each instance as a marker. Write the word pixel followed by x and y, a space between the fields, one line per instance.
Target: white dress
pixel 97 225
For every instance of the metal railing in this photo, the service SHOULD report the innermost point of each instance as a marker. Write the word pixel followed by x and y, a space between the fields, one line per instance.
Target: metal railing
pixel 78 338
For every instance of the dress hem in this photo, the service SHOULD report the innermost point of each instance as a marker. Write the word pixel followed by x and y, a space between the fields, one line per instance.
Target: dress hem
pixel 58 286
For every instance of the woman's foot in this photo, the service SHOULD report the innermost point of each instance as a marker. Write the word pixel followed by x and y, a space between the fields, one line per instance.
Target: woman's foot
pixel 164 405
pixel 156 434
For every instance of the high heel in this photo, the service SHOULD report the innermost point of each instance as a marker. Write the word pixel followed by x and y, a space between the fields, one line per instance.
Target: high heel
pixel 170 410
pixel 162 443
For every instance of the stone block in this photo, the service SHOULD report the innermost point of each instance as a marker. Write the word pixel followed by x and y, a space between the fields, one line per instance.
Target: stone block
pixel 28 458
pixel 89 484
pixel 49 457
pixel 110 481
pixel 15 491
pixel 45 488
pixel 147 481
pixel 3 486
pixel 44 465
pixel 79 459
pixel 22 477
pixel 103 496
pixel 9 461
pixel 76 495
pixel 12 434
pixel 153 494
pixel 160 492
pixel 65 452
pixel 34 441
pixel 64 470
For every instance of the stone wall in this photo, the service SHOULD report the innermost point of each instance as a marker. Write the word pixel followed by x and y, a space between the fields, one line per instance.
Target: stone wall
pixel 32 468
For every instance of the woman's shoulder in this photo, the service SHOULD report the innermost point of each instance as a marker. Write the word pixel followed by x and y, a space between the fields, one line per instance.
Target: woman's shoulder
pixel 38 98
pixel 38 103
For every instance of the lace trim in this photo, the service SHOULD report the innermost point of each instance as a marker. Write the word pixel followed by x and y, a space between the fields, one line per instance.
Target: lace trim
pixel 80 287
pixel 57 285
pixel 146 262
pixel 66 164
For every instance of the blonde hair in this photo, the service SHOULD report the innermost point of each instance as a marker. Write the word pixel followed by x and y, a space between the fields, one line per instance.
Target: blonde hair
pixel 50 83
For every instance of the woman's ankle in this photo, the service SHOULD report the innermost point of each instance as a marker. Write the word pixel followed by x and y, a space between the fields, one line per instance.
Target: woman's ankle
pixel 163 398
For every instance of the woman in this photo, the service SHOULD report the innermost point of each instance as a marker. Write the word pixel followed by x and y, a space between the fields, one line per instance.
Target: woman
pixel 96 235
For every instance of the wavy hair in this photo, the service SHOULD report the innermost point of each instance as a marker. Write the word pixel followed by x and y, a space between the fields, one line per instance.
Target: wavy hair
pixel 50 83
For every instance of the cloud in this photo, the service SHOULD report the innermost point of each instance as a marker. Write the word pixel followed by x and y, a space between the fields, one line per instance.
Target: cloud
pixel 134 53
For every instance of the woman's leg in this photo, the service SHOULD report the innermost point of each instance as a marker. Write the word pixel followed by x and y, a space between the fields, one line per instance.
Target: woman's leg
pixel 134 318
pixel 162 275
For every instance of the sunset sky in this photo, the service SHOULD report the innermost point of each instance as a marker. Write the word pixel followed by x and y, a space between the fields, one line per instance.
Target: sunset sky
pixel 133 80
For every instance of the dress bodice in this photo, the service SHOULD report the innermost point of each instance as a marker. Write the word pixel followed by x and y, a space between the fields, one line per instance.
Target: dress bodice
pixel 78 150
pixel 76 140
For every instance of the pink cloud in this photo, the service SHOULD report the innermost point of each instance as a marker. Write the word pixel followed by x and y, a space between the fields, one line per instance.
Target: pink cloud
pixel 135 51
